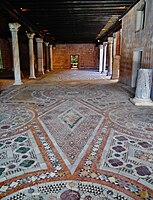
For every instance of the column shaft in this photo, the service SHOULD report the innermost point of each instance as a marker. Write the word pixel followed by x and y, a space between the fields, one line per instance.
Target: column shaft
pixel 104 58
pixel 40 55
pixel 101 59
pixel 51 56
pixel 47 56
pixel 143 88
pixel 116 55
pixel 15 47
pixel 110 48
pixel 31 56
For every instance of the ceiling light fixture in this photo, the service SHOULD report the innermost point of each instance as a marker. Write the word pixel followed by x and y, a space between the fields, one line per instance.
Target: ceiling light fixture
pixel 45 30
pixel 122 7
pixel 24 9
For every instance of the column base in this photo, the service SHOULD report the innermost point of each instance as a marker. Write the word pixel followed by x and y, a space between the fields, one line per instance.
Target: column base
pixel 104 72
pixel 109 74
pixel 141 102
pixel 100 69
pixel 40 73
pixel 47 70
pixel 115 77
pixel 32 77
pixel 18 83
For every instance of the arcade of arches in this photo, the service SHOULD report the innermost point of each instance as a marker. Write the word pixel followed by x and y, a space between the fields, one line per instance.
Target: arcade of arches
pixel 71 128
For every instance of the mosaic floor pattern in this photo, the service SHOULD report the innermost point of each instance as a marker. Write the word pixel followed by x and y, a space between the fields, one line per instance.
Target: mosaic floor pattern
pixel 74 136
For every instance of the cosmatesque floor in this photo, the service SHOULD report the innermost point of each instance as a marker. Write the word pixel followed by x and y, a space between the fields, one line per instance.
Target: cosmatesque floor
pixel 74 135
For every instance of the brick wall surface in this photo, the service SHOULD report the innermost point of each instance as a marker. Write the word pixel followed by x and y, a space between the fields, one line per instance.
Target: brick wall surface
pixel 5 46
pixel 88 56
pixel 7 57
pixel 134 41
pixel 24 57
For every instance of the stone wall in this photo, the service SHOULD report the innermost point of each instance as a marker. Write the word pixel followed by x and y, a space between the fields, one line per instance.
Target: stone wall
pixel 135 41
pixel 88 56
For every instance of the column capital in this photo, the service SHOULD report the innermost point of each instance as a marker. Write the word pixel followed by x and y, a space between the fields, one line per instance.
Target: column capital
pixel 14 27
pixel 50 45
pixel 46 44
pixel 115 35
pixel 30 35
pixel 101 46
pixel 110 40
pixel 39 40
pixel 105 43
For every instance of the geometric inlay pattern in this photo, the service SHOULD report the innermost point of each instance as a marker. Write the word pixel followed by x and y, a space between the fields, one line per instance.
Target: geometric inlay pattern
pixel 12 117
pixel 68 190
pixel 71 118
pixel 128 156
pixel 19 154
pixel 73 136
pixel 134 118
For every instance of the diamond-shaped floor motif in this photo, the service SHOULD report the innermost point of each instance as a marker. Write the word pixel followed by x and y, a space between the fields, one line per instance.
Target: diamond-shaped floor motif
pixel 71 118
pixel 71 126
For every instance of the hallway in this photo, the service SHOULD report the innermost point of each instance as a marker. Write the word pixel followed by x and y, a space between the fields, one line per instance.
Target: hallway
pixel 74 135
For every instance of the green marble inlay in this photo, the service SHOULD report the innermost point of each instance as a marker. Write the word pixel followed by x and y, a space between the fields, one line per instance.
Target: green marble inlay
pixel 71 118
pixel 27 163
pixel 20 139
pixel 23 150
pixel 1 144
pixel 117 155
pixel 2 170
pixel 129 165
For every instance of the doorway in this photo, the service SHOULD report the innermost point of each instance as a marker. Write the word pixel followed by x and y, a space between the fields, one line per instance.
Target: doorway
pixel 137 59
pixel 74 61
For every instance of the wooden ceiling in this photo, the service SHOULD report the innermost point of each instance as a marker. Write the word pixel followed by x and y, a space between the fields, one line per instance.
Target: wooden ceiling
pixel 68 21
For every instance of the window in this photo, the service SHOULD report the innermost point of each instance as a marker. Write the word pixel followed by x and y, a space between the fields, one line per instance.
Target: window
pixel 140 18
pixel 1 63
pixel 74 61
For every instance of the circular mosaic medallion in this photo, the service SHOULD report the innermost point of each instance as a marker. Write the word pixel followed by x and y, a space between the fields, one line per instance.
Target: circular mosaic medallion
pixel 134 118
pixel 14 117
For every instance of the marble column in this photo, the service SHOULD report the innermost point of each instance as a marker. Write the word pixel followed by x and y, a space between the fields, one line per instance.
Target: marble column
pixel 47 56
pixel 40 56
pixel 101 59
pixel 104 71
pixel 14 27
pixel 143 88
pixel 116 58
pixel 114 44
pixel 51 56
pixel 31 55
pixel 110 53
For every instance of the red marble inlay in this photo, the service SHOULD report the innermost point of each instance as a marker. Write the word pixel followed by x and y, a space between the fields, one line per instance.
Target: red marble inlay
pixel 5 127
